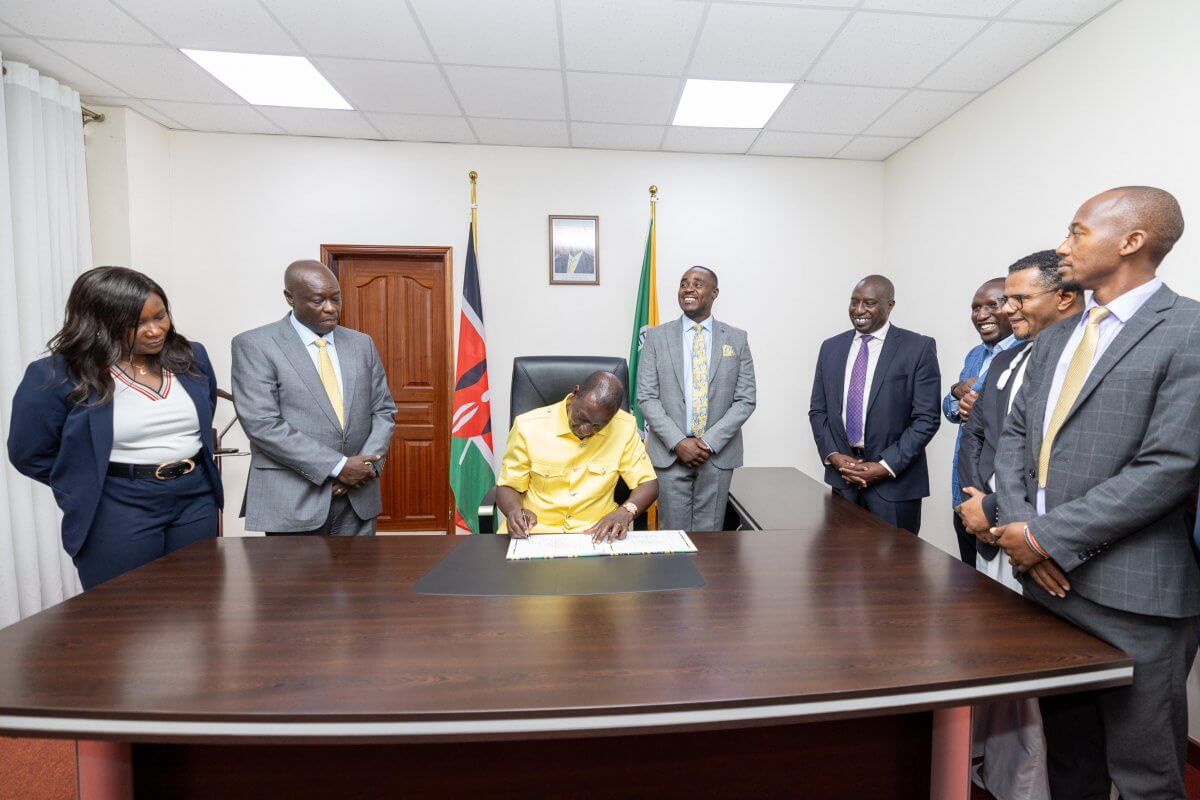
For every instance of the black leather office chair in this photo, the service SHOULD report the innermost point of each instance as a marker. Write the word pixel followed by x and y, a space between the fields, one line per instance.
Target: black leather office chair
pixel 544 380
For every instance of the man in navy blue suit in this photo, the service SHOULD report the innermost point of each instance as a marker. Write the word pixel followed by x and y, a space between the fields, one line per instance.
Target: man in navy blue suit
pixel 875 406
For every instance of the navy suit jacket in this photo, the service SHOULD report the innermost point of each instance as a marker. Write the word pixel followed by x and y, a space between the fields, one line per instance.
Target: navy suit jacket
pixel 903 410
pixel 67 446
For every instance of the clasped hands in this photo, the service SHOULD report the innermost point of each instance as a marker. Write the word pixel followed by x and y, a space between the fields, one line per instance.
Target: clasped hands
pixel 613 527
pixel 692 452
pixel 355 472
pixel 1011 539
pixel 857 472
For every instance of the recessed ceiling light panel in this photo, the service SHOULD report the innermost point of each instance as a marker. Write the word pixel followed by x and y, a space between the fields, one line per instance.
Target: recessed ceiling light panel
pixel 729 104
pixel 270 80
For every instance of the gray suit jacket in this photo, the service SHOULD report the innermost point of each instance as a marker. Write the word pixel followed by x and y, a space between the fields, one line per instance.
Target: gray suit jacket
pixel 295 438
pixel 731 393
pixel 1123 463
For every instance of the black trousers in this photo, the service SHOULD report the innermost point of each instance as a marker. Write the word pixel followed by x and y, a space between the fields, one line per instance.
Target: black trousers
pixel 966 543
pixel 903 514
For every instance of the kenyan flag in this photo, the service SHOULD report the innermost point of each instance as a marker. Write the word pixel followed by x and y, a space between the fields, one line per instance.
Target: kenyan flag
pixel 471 471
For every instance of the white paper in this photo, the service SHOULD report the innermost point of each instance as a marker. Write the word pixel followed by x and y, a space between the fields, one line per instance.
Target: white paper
pixel 579 545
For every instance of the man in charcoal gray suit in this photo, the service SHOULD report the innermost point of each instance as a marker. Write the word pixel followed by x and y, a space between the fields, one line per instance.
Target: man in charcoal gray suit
pixel 695 389
pixel 1095 465
pixel 313 399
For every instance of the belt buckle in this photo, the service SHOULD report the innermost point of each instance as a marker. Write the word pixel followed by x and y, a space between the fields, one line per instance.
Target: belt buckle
pixel 191 465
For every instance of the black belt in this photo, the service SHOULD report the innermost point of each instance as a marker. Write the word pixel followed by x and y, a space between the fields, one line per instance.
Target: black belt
pixel 167 471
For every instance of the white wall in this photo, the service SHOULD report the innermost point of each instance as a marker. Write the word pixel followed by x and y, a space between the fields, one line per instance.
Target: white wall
pixel 1113 105
pixel 788 237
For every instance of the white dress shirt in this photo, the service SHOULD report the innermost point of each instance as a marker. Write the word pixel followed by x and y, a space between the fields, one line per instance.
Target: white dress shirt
pixel 874 348
pixel 309 338
pixel 1121 309
pixel 689 336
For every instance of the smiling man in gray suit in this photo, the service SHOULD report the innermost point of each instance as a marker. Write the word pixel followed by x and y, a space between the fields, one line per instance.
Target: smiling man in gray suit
pixel 314 402
pixel 695 388
pixel 1093 473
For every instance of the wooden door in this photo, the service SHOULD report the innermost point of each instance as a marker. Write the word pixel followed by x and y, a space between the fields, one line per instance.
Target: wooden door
pixel 400 297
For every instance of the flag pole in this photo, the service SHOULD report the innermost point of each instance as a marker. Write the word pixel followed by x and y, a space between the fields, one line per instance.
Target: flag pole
pixel 474 176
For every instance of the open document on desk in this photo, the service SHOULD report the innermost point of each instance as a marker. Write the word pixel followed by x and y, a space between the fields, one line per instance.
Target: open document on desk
pixel 577 545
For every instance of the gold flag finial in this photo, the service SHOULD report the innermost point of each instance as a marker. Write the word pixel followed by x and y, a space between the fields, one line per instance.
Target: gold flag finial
pixel 472 175
pixel 654 191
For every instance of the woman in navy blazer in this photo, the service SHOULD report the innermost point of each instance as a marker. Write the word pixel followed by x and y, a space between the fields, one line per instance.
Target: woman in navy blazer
pixel 105 390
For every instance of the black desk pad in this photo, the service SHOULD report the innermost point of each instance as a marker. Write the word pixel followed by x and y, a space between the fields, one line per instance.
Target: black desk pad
pixel 477 567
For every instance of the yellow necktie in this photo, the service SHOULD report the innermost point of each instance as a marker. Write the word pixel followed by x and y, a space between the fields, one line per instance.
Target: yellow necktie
pixel 699 421
pixel 1077 372
pixel 329 379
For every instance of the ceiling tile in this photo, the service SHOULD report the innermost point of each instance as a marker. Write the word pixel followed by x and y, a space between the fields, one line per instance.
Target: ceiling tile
pixel 842 3
pixel 872 148
pixel 509 93
pixel 833 109
pixel 231 25
pixel 411 128
pixel 53 65
pixel 811 145
pixel 513 33
pixel 321 122
pixel 521 132
pixel 1076 11
pixel 621 98
pixel 213 117
pixel 159 73
pixel 390 86
pixel 962 8
pixel 616 137
pixel 892 49
pixel 98 20
pixel 762 43
pixel 643 36
pixel 918 112
pixel 353 28
pixel 709 140
pixel 995 54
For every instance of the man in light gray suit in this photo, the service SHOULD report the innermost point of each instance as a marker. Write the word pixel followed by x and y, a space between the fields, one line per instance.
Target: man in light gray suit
pixel 695 389
pixel 1093 473
pixel 314 402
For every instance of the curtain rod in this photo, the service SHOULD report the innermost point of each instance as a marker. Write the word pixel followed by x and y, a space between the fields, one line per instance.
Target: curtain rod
pixel 88 114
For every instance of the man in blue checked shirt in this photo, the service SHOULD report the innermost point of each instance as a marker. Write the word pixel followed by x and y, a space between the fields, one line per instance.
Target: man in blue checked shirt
pixel 995 333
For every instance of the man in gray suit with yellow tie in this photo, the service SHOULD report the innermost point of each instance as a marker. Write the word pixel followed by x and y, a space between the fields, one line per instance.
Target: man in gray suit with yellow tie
pixel 695 389
pixel 314 401
pixel 1095 465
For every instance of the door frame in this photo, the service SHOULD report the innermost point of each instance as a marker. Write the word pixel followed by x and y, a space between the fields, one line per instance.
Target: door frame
pixel 330 253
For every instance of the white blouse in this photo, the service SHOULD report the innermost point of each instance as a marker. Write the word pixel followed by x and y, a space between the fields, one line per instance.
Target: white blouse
pixel 152 427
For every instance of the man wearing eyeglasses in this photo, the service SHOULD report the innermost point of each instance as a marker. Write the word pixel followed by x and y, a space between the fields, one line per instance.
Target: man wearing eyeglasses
pixel 995 334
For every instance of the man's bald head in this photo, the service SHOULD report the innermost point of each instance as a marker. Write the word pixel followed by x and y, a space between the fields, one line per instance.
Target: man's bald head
pixel 1149 209
pixel 604 389
pixel 882 286
pixel 312 290
pixel 305 270
pixel 594 403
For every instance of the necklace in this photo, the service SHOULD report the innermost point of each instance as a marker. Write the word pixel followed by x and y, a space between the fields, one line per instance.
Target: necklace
pixel 141 368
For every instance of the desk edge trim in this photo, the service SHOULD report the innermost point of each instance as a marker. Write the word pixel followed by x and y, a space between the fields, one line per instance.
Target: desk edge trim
pixel 798 712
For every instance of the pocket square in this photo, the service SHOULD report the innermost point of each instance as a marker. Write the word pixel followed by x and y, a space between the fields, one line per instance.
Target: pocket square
pixel 728 351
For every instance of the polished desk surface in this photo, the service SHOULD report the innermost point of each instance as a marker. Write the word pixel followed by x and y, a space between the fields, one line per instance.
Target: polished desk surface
pixel 769 498
pixel 840 616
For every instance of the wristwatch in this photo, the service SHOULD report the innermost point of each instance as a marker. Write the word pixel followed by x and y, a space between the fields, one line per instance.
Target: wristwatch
pixel 630 507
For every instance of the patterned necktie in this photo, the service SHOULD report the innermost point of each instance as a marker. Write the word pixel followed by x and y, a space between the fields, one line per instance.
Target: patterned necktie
pixel 1077 372
pixel 699 420
pixel 329 379
pixel 854 397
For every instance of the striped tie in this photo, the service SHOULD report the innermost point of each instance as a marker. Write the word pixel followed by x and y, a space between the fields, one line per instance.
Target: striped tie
pixel 329 380
pixel 1077 372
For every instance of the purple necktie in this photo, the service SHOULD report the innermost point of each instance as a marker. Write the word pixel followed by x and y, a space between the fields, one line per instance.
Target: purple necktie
pixel 854 397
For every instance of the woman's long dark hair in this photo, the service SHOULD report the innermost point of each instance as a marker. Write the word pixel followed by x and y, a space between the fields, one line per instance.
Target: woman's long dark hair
pixel 103 311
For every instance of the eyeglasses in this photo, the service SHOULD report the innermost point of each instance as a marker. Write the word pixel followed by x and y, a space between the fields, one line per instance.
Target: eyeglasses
pixel 1018 300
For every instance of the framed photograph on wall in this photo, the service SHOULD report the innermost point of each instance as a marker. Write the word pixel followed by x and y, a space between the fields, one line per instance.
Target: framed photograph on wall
pixel 574 250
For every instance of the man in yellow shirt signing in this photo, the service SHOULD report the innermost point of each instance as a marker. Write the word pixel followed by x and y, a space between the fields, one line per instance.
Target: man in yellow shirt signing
pixel 562 463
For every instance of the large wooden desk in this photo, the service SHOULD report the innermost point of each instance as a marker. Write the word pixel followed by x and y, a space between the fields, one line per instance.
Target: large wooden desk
pixel 817 662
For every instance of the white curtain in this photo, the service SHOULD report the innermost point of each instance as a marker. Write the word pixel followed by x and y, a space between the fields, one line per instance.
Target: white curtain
pixel 45 242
